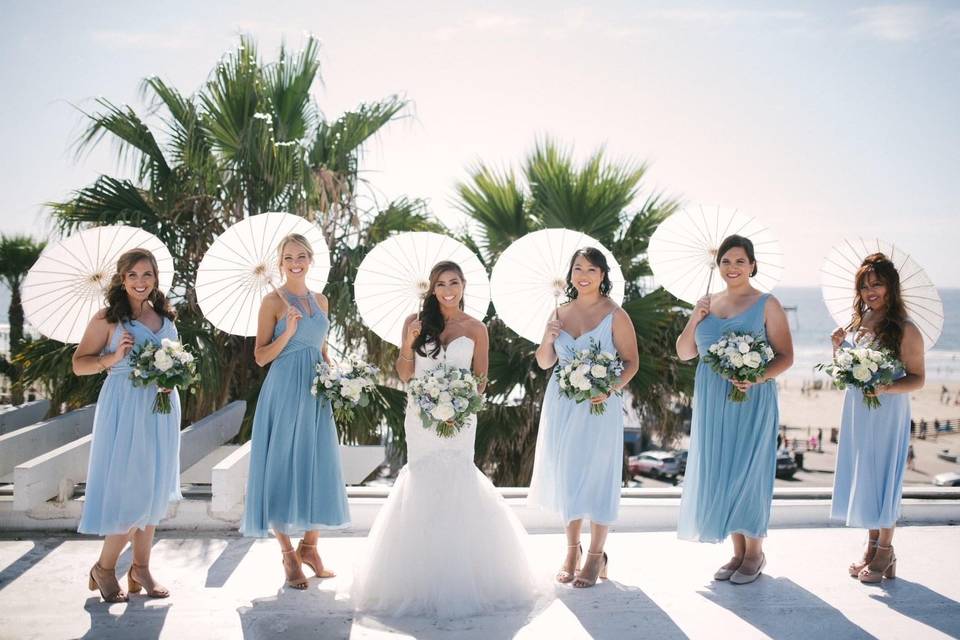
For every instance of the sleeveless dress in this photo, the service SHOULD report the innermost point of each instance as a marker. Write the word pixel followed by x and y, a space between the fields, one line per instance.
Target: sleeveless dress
pixel 295 482
pixel 871 459
pixel 445 543
pixel 578 464
pixel 732 462
pixel 134 469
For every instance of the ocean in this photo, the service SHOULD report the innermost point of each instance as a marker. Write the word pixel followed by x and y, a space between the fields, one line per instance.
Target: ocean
pixel 811 326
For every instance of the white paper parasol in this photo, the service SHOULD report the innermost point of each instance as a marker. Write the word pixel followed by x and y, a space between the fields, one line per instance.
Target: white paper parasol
pixel 240 268
pixel 920 297
pixel 530 278
pixel 683 251
pixel 394 276
pixel 66 285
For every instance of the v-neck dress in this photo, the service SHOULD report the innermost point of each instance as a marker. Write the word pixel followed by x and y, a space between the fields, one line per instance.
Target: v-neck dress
pixel 295 482
pixel 578 464
pixel 134 468
pixel 871 457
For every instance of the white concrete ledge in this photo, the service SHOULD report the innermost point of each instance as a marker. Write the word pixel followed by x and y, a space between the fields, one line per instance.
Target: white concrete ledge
pixel 54 473
pixel 51 474
pixel 208 433
pixel 31 441
pixel 229 477
pixel 229 481
pixel 13 418
pixel 636 514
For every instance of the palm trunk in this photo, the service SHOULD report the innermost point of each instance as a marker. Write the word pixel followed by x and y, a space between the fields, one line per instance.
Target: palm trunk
pixel 16 342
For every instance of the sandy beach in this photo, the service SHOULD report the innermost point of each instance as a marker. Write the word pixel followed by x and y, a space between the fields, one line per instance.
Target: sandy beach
pixel 821 408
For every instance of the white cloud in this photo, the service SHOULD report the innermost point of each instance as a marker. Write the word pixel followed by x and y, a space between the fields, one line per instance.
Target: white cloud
pixel 893 22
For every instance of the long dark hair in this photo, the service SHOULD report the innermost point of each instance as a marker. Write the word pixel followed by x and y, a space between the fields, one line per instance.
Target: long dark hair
pixel 118 303
pixel 595 257
pixel 889 330
pixel 431 319
pixel 734 241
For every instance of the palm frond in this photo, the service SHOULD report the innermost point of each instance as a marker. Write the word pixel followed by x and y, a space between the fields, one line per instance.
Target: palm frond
pixel 135 142
pixel 496 201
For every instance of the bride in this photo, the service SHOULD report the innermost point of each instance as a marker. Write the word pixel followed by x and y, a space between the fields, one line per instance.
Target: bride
pixel 445 543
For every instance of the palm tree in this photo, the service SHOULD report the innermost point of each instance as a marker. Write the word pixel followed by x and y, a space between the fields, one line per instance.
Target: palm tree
pixel 17 255
pixel 597 198
pixel 251 139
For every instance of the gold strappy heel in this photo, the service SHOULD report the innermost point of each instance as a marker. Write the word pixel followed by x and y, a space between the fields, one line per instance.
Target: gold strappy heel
pixel 133 586
pixel 582 583
pixel 880 567
pixel 319 571
pixel 294 582
pixel 856 567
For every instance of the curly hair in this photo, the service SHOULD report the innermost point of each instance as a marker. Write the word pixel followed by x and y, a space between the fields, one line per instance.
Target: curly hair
pixel 118 303
pixel 889 330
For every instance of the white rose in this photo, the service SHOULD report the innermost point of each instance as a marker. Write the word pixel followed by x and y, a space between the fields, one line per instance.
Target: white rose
pixel 844 359
pixel 743 347
pixel 862 373
pixel 598 371
pixel 443 412
pixel 166 342
pixel 607 355
pixel 579 381
pixel 748 339
pixel 736 360
pixel 752 359
pixel 445 397
pixel 162 361
pixel 136 372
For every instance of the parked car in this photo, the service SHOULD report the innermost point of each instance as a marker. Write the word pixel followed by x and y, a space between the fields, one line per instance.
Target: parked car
pixel 681 455
pixel 947 479
pixel 786 465
pixel 656 464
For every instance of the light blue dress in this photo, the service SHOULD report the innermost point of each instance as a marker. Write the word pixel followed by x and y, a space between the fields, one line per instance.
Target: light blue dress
pixel 728 485
pixel 295 483
pixel 134 470
pixel 578 464
pixel 871 460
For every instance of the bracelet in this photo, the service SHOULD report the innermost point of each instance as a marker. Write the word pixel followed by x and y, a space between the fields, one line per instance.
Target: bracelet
pixel 403 357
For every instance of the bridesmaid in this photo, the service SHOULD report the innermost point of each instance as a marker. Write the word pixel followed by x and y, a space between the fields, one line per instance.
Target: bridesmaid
pixel 295 484
pixel 873 446
pixel 728 486
pixel 579 456
pixel 134 470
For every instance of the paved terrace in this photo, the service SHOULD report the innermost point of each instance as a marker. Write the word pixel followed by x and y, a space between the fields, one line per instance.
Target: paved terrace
pixel 229 587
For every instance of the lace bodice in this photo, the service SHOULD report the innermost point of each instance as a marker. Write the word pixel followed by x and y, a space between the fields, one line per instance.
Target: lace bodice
pixel 425 443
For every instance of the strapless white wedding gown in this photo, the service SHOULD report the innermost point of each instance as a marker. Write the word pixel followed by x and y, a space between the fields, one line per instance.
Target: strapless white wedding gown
pixel 445 543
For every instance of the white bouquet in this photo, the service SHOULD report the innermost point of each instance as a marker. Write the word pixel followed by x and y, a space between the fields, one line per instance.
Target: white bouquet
pixel 446 397
pixel 739 356
pixel 589 373
pixel 168 365
pixel 865 368
pixel 345 385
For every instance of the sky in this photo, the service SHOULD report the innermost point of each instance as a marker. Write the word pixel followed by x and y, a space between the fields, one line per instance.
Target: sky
pixel 824 120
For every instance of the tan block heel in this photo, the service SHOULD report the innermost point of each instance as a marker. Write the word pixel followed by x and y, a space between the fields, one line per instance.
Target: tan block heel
pixel 882 566
pixel 563 576
pixel 112 592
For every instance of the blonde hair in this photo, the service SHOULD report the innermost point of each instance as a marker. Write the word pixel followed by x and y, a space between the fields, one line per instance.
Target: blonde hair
pixel 293 237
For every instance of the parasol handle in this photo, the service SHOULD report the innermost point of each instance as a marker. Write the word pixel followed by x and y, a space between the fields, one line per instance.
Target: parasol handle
pixel 710 279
